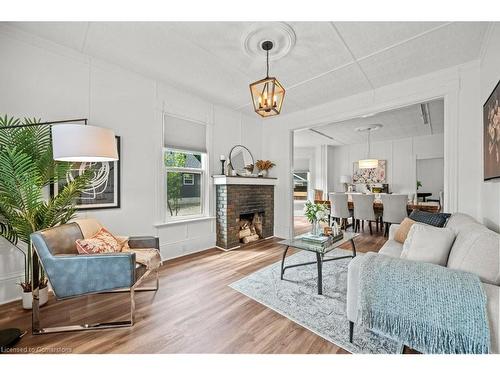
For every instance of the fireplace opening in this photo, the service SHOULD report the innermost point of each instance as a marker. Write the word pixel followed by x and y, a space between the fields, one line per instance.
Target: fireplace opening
pixel 251 227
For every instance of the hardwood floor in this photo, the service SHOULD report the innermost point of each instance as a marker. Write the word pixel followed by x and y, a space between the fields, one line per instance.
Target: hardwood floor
pixel 193 312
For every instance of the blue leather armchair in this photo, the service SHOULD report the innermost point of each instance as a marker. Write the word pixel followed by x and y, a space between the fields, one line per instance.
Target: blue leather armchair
pixel 73 275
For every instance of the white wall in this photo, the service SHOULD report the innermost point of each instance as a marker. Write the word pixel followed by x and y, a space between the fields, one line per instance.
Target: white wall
pixel 39 78
pixel 401 155
pixel 462 143
pixel 490 75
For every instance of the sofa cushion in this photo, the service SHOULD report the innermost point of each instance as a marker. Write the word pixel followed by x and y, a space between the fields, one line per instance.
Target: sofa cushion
pixel 459 220
pixel 430 218
pixel 429 244
pixel 392 248
pixel 404 229
pixel 477 250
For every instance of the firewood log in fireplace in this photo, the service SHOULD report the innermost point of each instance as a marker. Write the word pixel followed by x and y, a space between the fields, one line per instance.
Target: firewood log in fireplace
pixel 245 233
pixel 250 238
pixel 257 224
pixel 244 224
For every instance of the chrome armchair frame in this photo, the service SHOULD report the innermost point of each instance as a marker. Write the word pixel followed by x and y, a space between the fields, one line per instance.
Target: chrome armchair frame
pixel 36 325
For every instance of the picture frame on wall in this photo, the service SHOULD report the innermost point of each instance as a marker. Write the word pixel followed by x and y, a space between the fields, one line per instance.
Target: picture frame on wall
pixel 104 189
pixel 491 135
pixel 369 175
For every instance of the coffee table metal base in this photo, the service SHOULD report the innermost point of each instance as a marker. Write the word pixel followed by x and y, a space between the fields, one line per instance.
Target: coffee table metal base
pixel 319 262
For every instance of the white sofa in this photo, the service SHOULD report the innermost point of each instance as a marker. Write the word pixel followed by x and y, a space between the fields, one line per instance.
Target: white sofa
pixel 476 249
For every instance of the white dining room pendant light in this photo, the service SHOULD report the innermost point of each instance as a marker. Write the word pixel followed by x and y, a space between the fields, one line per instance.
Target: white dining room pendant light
pixel 83 143
pixel 368 163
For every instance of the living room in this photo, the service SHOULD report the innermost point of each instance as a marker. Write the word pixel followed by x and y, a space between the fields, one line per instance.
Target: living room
pixel 234 216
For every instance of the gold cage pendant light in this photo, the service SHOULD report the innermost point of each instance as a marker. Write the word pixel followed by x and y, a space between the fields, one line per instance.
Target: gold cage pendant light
pixel 268 93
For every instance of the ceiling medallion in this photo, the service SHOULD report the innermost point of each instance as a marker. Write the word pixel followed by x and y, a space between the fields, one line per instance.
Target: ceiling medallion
pixel 268 93
pixel 279 33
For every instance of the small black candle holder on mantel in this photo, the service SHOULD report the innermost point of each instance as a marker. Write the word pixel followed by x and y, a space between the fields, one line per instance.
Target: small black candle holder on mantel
pixel 223 161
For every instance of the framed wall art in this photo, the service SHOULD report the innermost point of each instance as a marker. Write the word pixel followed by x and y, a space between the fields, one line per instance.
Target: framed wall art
pixel 104 189
pixel 491 135
pixel 369 175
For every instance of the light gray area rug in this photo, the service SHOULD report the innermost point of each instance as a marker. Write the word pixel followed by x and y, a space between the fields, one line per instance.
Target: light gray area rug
pixel 296 298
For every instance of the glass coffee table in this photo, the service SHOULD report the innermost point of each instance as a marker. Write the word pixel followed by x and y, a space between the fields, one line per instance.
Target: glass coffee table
pixel 320 251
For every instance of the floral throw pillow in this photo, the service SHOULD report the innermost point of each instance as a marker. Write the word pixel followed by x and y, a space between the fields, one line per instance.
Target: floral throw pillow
pixel 101 242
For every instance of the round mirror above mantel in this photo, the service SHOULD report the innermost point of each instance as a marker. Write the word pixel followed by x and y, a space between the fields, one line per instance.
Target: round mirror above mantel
pixel 241 160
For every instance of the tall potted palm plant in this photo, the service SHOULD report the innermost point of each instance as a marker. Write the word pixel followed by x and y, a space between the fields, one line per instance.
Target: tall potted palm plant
pixel 27 170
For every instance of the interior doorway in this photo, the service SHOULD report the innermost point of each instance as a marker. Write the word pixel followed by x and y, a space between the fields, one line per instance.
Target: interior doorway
pixel 430 180
pixel 301 187
pixel 407 143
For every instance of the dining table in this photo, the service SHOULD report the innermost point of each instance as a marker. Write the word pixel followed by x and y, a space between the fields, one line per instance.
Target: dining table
pixel 378 206
pixel 424 196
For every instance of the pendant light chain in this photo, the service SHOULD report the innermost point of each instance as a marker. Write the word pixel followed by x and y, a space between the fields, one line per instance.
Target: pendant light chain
pixel 370 162
pixel 267 64
pixel 368 156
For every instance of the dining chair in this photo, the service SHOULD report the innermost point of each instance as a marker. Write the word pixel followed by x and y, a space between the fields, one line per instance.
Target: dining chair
pixel 363 210
pixel 394 209
pixel 339 208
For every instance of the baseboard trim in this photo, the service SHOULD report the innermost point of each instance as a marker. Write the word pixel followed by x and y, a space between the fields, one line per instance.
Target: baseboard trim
pixel 185 254
pixel 232 248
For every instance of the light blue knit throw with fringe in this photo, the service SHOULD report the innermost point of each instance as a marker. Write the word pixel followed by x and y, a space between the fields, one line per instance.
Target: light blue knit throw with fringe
pixel 427 307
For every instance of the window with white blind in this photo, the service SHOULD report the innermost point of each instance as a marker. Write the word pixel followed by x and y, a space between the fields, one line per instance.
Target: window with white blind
pixel 184 158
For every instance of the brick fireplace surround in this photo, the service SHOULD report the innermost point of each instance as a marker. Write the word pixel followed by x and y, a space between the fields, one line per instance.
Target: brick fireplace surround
pixel 233 200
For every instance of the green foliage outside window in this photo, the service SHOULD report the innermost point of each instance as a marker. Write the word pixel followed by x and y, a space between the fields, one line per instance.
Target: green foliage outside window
pixel 183 199
pixel 174 181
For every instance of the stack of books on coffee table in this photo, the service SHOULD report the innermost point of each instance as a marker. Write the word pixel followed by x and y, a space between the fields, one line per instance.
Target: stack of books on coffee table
pixel 320 241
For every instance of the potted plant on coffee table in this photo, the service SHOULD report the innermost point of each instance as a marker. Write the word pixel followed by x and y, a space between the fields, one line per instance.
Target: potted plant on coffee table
pixel 27 170
pixel 316 213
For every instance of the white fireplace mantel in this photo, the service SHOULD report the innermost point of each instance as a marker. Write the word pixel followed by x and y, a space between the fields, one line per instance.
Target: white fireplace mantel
pixel 226 180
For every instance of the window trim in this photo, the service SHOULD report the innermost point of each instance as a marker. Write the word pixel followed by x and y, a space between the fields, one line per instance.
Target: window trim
pixel 203 182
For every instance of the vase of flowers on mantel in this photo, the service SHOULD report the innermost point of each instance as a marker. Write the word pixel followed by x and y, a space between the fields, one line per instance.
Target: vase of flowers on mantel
pixel 316 213
pixel 264 166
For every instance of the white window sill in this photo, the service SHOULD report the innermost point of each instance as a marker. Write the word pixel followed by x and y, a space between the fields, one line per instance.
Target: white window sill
pixel 184 221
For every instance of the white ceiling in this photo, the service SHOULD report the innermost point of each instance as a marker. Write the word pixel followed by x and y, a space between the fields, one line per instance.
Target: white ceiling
pixel 399 123
pixel 329 60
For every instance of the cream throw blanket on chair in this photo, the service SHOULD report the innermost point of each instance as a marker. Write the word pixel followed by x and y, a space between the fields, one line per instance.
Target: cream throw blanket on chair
pixel 147 257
